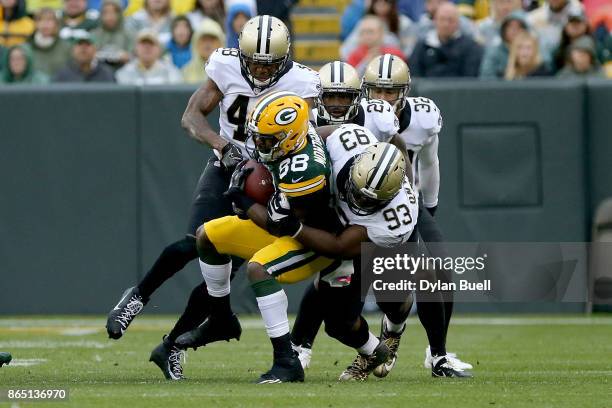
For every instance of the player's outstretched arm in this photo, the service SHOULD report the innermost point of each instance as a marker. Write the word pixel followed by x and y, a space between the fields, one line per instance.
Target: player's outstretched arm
pixel 194 120
pixel 429 173
pixel 345 245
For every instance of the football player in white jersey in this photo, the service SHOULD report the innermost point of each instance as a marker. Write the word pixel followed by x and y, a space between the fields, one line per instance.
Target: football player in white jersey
pixel 387 77
pixel 375 202
pixel 237 78
pixel 341 102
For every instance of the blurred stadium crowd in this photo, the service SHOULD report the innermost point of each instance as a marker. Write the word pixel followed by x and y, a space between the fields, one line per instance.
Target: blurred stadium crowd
pixel 143 42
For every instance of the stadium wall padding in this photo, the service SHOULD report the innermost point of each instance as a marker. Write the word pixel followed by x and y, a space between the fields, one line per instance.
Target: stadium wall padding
pixel 97 181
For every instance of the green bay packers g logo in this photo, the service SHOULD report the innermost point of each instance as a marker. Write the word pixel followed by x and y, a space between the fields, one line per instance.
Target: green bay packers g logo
pixel 285 116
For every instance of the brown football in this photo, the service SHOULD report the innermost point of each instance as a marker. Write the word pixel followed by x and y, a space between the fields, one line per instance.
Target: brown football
pixel 258 185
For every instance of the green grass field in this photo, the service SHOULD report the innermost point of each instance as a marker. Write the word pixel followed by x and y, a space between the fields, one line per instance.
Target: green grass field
pixel 541 361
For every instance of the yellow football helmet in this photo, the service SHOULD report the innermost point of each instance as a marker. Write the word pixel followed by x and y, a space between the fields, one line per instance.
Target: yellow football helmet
pixel 277 125
pixel 389 72
pixel 264 40
pixel 375 178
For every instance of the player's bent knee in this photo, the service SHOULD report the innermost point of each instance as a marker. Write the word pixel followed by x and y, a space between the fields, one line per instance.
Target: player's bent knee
pixel 183 250
pixel 256 272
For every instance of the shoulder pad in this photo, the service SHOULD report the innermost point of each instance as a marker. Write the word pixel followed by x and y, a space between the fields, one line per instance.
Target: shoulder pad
pixel 426 115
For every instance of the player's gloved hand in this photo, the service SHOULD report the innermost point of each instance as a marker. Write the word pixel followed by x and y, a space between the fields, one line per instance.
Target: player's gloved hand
pixel 231 156
pixel 432 210
pixel 281 221
pixel 240 201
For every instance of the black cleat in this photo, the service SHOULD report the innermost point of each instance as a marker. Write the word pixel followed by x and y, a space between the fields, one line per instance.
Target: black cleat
pixel 363 364
pixel 392 340
pixel 284 369
pixel 127 309
pixel 168 358
pixel 442 368
pixel 5 358
pixel 213 329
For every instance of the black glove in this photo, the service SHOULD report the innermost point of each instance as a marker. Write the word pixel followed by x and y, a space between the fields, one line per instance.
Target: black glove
pixel 240 201
pixel 281 221
pixel 231 156
pixel 432 210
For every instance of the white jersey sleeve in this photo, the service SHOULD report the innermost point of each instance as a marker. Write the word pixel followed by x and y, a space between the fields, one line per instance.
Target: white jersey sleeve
pixel 301 80
pixel 222 66
pixel 380 119
pixel 429 172
pixel 394 224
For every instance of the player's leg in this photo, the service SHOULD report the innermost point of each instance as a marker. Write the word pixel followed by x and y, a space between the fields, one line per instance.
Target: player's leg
pixel 286 261
pixel 217 240
pixel 307 323
pixel 346 325
pixel 431 234
pixel 207 203
pixel 392 327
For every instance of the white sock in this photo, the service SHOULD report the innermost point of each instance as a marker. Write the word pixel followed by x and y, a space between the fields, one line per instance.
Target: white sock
pixel 369 346
pixel 392 327
pixel 217 278
pixel 273 310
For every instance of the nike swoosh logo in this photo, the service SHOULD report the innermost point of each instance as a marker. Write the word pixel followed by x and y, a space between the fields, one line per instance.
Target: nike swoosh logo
pixel 296 180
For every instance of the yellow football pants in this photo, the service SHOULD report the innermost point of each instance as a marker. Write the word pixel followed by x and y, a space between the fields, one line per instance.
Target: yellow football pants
pixel 284 258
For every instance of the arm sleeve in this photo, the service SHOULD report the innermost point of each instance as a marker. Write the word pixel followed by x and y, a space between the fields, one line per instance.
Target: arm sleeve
pixel 429 172
pixel 381 237
pixel 387 123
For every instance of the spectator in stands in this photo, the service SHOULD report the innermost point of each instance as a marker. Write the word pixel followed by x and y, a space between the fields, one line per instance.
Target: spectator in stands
pixel 278 9
pixel 495 57
pixel 49 52
pixel 156 16
pixel 371 43
pixel 426 23
pixel 84 67
pixel 237 16
pixel 15 25
pixel 391 38
pixel 488 29
pixel 582 60
pixel 148 68
pixel 576 27
pixel 76 17
pixel 113 41
pixel 525 59
pixel 179 46
pixel 548 21
pixel 18 67
pixel 206 39
pixel 446 52
pixel 395 23
pixel 207 9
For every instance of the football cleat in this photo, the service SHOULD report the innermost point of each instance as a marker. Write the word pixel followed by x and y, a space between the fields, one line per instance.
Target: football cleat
pixel 363 364
pixel 450 357
pixel 284 369
pixel 304 354
pixel 442 368
pixel 127 309
pixel 392 340
pixel 168 358
pixel 213 329
pixel 5 358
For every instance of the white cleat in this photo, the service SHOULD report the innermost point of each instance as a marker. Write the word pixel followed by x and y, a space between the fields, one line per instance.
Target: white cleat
pixel 451 359
pixel 304 355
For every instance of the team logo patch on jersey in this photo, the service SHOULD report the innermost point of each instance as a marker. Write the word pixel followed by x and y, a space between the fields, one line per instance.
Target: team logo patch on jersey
pixel 285 116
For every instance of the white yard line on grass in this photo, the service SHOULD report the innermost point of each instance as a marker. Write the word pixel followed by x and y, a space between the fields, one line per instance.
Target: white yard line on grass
pixel 83 327
pixel 27 362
